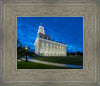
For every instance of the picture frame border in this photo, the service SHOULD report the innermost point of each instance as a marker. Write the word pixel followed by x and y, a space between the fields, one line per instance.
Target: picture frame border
pixel 2 46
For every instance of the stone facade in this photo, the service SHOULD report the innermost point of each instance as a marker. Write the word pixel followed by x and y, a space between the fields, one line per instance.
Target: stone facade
pixel 46 47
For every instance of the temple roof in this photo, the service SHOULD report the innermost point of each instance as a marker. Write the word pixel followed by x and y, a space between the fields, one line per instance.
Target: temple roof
pixel 44 36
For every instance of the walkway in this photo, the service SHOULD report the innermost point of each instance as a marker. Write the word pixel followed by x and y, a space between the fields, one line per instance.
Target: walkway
pixel 55 64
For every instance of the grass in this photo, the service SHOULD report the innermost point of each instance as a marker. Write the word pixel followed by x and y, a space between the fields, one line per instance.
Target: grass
pixel 74 60
pixel 33 65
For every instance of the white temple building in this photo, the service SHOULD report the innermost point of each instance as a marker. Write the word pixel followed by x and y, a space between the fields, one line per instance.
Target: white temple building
pixel 46 47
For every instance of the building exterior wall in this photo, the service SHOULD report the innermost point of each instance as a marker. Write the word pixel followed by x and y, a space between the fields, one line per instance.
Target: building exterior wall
pixel 45 47
pixel 49 48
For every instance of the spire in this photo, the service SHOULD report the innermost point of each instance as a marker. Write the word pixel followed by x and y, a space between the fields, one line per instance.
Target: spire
pixel 41 29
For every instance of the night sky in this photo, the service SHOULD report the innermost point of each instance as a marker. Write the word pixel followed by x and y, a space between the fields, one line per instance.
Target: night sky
pixel 68 30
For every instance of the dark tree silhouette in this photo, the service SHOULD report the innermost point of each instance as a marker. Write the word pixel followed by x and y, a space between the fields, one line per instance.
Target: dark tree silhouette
pixel 22 52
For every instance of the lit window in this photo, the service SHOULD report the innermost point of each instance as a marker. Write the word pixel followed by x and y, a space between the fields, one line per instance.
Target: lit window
pixel 57 46
pixel 47 37
pixel 47 45
pixel 54 46
pixel 42 44
pixel 60 46
pixel 51 45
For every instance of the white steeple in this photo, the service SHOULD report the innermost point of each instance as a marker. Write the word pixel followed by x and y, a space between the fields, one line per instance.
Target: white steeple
pixel 41 29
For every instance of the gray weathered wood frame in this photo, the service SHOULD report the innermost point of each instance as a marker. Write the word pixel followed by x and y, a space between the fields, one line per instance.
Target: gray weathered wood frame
pixel 88 75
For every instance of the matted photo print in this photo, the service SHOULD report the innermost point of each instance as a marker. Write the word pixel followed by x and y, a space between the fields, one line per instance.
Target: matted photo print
pixel 50 43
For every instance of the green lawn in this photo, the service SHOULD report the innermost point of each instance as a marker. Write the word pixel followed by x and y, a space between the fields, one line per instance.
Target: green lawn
pixel 33 65
pixel 74 60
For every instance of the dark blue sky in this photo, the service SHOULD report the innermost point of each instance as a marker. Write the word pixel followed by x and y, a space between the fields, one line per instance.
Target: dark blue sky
pixel 68 30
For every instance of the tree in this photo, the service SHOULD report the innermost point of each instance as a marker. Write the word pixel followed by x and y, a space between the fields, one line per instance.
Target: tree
pixel 79 53
pixel 22 52
pixel 20 49
pixel 19 44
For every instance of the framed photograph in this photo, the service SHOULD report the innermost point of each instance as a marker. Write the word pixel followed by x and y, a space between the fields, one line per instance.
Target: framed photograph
pixel 50 43
pixel 38 50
